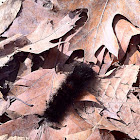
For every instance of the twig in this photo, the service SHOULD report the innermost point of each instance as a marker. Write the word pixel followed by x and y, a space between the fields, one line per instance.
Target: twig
pixel 12 98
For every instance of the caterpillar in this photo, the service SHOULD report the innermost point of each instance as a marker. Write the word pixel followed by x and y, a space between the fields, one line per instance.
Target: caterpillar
pixel 72 88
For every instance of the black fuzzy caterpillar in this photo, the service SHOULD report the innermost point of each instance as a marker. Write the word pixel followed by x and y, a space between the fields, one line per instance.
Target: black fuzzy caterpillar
pixel 71 88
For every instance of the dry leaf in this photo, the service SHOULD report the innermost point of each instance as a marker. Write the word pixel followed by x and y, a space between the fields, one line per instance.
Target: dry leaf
pixel 5 137
pixel 115 97
pixel 20 127
pixel 91 134
pixel 72 124
pixel 31 14
pixel 117 102
pixel 9 10
pixel 9 47
pixel 98 38
pixel 98 31
pixel 1 96
pixel 103 123
pixel 105 33
pixel 114 91
pixel 124 31
pixel 38 87
pixel 42 41
pixel 2 1
pixel 133 54
pixel 25 67
pixel 133 103
pixel 18 138
pixel 4 105
pixel 124 77
pixel 89 97
pixel 79 136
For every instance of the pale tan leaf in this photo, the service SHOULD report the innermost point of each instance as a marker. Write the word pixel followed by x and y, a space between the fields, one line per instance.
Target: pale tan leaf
pixel 2 1
pixel 1 96
pixel 18 138
pixel 133 103
pixel 103 123
pixel 120 104
pixel 9 47
pixel 32 14
pixel 99 31
pixel 108 35
pixel 101 134
pixel 117 103
pixel 89 97
pixel 71 124
pixel 120 84
pixel 39 85
pixel 125 111
pixel 41 38
pixel 9 10
pixel 20 127
pixel 4 105
pixel 124 31
pixel 91 134
pixel 4 137
pixel 81 135
pixel 91 114
pixel 130 129
pixel 133 54
pixel 25 67
pixel 114 89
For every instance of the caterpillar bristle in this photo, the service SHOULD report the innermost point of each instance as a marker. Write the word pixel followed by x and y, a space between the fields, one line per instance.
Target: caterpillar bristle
pixel 73 86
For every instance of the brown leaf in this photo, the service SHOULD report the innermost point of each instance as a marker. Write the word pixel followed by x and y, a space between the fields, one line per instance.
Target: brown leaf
pixel 81 135
pixel 133 54
pixel 1 96
pixel 38 87
pixel 119 102
pixel 2 1
pixel 95 135
pixel 25 67
pixel 124 31
pixel 91 114
pixel 107 63
pixel 110 34
pixel 133 103
pixel 4 105
pixel 120 84
pixel 103 123
pixel 89 97
pixel 5 137
pixel 91 134
pixel 71 124
pixel 9 47
pixel 129 113
pixel 136 120
pixel 56 57
pixel 42 37
pixel 98 35
pixel 130 129
pixel 31 14
pixel 98 31
pixel 8 13
pixel 125 111
pixel 114 91
pixel 20 126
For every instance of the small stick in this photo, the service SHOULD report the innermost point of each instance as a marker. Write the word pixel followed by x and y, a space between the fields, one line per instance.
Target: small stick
pixel 12 98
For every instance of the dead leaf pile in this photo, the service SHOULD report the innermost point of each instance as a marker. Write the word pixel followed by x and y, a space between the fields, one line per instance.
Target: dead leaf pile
pixel 41 41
